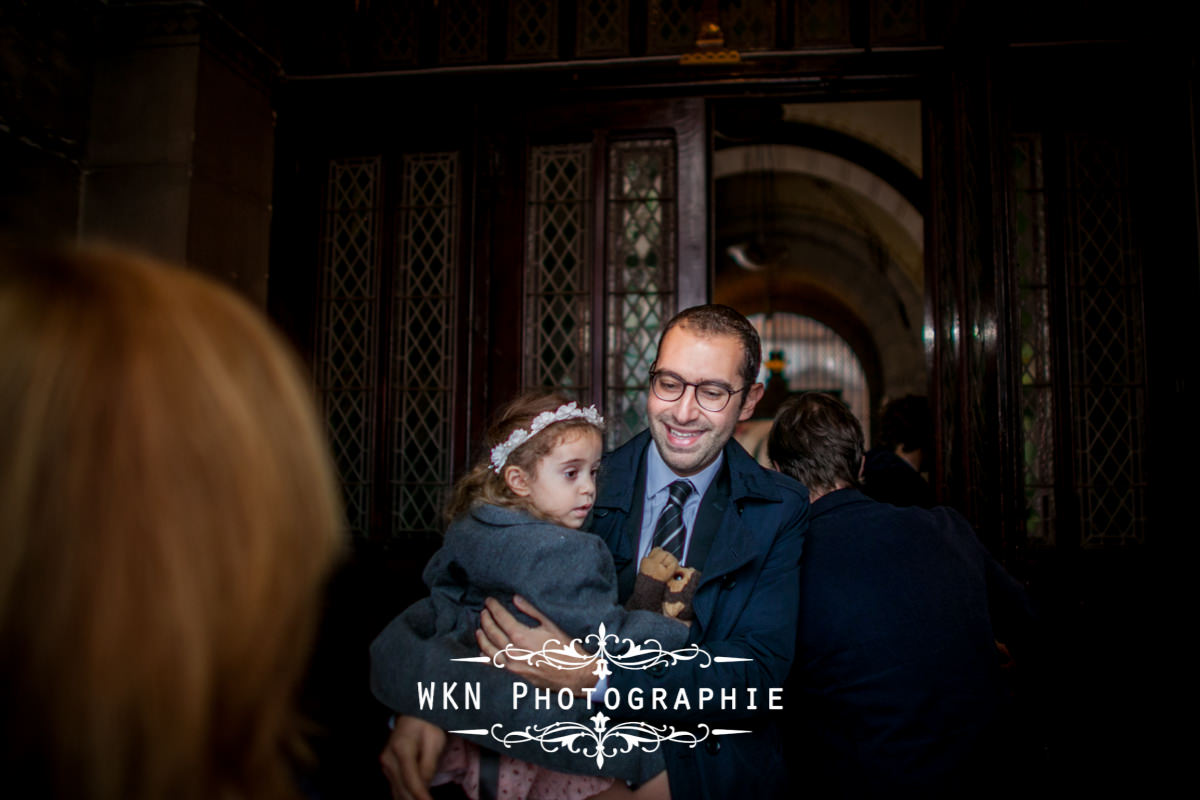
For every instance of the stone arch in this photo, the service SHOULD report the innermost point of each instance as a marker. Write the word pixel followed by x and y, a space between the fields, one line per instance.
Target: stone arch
pixel 841 246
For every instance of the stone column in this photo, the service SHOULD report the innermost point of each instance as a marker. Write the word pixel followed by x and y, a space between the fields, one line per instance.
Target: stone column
pixel 180 157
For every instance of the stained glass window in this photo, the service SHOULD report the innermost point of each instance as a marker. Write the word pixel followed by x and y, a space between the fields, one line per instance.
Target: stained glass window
pixel 558 275
pixel 602 28
pixel 1107 379
pixel 822 22
pixel 464 33
pixel 641 234
pixel 423 342
pixel 671 25
pixel 748 24
pixel 896 21
pixel 349 334
pixel 1028 244
pixel 532 29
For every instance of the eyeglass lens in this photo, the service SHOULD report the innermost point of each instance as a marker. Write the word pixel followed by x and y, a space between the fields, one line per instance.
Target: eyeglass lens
pixel 711 396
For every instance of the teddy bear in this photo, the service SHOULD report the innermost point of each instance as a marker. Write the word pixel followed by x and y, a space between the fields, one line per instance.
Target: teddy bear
pixel 664 586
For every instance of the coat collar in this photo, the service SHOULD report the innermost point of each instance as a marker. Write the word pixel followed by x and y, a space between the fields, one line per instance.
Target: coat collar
pixel 836 499
pixel 504 517
pixel 747 479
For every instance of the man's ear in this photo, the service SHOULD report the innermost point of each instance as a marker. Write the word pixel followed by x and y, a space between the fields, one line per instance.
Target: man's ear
pixel 862 467
pixel 753 395
pixel 517 480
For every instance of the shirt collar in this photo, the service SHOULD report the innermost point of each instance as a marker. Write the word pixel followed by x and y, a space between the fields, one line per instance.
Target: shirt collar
pixel 659 476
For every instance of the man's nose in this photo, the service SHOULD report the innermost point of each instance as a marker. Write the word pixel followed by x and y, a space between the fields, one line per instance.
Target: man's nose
pixel 686 408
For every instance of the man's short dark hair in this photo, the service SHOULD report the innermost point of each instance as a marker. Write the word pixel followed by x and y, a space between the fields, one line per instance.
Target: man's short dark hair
pixel 907 423
pixel 719 320
pixel 818 441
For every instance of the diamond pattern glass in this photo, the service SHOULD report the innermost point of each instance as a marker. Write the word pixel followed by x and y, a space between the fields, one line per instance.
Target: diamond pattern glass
pixel 748 24
pixel 641 225
pixel 896 21
pixel 463 37
pixel 395 28
pixel 348 335
pixel 602 28
pixel 671 25
pixel 532 29
pixel 1107 382
pixel 423 344
pixel 822 23
pixel 558 276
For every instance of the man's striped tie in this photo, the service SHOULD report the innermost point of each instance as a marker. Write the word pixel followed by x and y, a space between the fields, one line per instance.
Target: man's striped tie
pixel 668 532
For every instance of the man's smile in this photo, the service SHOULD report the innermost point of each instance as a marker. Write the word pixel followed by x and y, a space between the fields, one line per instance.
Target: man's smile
pixel 683 437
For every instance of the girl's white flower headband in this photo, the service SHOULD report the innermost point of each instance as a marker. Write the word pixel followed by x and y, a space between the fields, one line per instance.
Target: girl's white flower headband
pixel 501 452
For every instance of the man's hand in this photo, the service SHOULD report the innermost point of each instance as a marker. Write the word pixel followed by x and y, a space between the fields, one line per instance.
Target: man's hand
pixel 411 756
pixel 498 628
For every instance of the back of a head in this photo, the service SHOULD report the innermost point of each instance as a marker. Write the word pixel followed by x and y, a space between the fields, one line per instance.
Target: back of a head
pixel 817 440
pixel 906 423
pixel 169 515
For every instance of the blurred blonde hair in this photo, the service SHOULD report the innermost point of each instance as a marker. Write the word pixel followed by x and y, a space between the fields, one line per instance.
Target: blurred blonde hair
pixel 169 515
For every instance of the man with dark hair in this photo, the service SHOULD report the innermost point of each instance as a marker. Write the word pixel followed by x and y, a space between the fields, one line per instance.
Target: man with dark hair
pixel 718 320
pixel 892 473
pixel 897 687
pixel 684 486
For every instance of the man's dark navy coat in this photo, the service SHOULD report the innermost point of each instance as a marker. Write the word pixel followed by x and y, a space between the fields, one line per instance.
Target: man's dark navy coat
pixel 747 541
pixel 897 683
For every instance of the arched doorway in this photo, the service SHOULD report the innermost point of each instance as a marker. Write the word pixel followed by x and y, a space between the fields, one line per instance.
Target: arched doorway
pixel 810 356
pixel 819 215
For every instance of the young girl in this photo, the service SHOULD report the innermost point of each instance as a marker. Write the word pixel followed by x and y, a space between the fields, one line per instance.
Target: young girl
pixel 515 529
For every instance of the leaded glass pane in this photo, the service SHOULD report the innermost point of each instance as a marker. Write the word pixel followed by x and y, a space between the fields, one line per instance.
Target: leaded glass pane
pixel 671 25
pixel 532 29
pixel 602 28
pixel 1028 245
pixel 1108 385
pixel 463 37
pixel 558 275
pixel 822 23
pixel 394 29
pixel 641 270
pixel 423 352
pixel 348 335
pixel 748 24
pixel 896 21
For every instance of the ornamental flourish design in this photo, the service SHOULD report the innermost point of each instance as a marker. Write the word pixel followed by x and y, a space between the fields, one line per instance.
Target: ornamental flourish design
pixel 628 654
pixel 599 741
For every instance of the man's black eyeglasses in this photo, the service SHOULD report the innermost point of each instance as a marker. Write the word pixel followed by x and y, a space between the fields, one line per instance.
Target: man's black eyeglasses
pixel 712 396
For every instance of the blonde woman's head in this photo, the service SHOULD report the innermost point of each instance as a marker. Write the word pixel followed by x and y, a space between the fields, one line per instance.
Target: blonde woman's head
pixel 169 515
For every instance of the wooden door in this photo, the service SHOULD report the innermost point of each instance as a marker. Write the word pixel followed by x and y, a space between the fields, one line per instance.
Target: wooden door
pixel 431 271
pixel 599 219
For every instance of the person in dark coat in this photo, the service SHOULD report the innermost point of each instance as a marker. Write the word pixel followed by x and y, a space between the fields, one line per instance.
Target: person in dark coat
pixel 897 686
pixel 742 526
pixel 893 470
